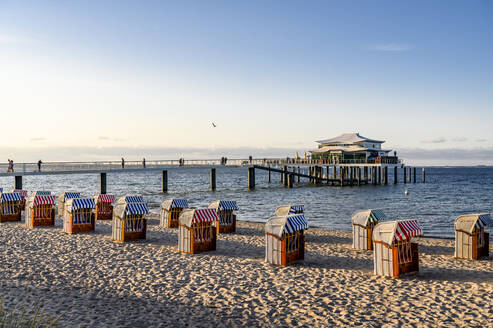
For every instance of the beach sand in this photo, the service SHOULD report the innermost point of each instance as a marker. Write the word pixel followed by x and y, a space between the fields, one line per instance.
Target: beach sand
pixel 95 282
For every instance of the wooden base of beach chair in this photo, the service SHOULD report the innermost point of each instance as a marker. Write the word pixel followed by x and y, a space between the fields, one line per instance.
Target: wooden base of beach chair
pixel 10 217
pixel 173 223
pixel 104 216
pixel 135 235
pixel 42 222
pixel 203 246
pixel 226 228
pixel 86 227
pixel 405 269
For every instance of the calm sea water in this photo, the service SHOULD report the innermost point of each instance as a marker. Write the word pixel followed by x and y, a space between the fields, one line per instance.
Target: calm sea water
pixel 447 193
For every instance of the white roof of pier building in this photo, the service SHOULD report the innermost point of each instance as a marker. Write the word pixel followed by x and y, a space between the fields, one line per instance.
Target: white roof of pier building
pixel 347 139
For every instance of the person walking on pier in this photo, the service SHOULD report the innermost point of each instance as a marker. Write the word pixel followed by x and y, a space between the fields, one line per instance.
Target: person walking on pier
pixel 144 162
pixel 39 165
pixel 123 163
pixel 11 165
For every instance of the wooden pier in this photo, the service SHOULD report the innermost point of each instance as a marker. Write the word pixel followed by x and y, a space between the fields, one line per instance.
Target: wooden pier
pixel 290 171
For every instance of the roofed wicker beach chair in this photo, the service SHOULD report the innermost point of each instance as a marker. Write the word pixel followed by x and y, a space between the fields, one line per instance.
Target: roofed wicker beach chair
pixel 40 209
pixel 394 253
pixel 79 215
pixel 171 209
pixel 197 230
pixel 471 241
pixel 227 219
pixel 10 206
pixel 104 206
pixel 363 223
pixel 284 239
pixel 129 219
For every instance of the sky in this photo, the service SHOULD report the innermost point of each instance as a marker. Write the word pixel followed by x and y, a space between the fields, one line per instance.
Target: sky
pixel 98 80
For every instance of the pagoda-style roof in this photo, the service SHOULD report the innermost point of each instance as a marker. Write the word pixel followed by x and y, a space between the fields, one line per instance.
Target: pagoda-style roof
pixel 348 138
pixel 345 149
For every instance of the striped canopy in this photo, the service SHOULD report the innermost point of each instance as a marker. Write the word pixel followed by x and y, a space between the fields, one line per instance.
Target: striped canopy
pixel 75 204
pixel 170 203
pixel 136 208
pixel 20 191
pixel 469 222
pixel 44 200
pixel 289 209
pixel 279 225
pixel 69 195
pixel 224 205
pixel 388 232
pixel 130 199
pixel 364 217
pixel 105 198
pixel 190 217
pixel 11 197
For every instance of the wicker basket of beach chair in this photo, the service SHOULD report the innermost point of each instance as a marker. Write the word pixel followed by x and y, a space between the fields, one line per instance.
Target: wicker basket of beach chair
pixel 225 212
pixel 471 241
pixel 23 196
pixel 394 253
pixel 79 215
pixel 40 209
pixel 363 223
pixel 62 198
pixel 129 219
pixel 171 209
pixel 10 206
pixel 285 239
pixel 197 230
pixel 104 206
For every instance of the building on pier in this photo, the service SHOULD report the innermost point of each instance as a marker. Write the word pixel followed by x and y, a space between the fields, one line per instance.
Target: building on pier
pixel 353 148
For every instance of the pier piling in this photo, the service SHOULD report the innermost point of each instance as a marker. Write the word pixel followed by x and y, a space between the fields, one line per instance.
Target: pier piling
pixel 423 175
pixel 18 182
pixel 269 173
pixel 285 176
pixel 386 175
pixel 395 174
pixel 251 178
pixel 405 177
pixel 213 179
pixel 102 183
pixel 414 175
pixel 409 174
pixel 164 181
pixel 299 171
pixel 290 180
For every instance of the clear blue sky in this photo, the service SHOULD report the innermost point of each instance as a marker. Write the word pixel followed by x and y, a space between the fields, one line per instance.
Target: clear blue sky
pixel 270 74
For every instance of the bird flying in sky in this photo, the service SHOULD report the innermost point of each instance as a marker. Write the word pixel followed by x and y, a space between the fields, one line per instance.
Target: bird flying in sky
pixel 213 124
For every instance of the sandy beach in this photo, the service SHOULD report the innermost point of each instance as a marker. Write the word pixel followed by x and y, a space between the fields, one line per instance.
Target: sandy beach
pixel 95 282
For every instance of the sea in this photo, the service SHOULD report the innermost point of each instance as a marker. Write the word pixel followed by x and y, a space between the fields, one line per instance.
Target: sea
pixel 447 193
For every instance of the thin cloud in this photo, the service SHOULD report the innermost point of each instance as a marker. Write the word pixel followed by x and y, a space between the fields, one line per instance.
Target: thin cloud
pixel 460 139
pixel 435 140
pixel 110 139
pixel 37 139
pixel 465 154
pixel 13 39
pixel 481 140
pixel 391 47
